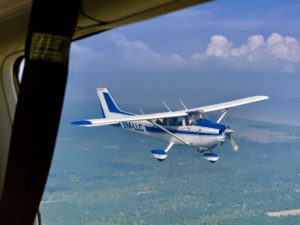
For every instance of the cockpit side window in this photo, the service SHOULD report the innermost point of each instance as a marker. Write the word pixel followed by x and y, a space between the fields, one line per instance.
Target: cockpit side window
pixel 175 122
pixel 165 122
pixel 159 121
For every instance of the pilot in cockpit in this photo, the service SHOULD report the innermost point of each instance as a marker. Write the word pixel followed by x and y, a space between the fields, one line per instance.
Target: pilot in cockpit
pixel 191 119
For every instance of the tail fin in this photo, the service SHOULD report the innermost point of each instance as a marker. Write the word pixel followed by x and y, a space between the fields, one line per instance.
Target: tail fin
pixel 108 105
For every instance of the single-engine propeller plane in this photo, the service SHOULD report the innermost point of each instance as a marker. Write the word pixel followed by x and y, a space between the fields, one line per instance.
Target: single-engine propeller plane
pixel 183 127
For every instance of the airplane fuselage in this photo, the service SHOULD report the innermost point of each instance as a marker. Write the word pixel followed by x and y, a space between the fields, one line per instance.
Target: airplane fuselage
pixel 182 127
pixel 196 135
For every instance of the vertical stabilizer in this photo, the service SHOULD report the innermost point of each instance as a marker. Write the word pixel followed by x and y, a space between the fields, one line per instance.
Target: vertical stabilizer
pixel 108 105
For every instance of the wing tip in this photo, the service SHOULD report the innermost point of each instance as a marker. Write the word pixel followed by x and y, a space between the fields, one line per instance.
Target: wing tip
pixel 103 89
pixel 81 123
pixel 258 97
pixel 264 97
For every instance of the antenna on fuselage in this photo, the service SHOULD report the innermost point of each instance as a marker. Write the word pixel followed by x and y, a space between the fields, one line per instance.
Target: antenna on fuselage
pixel 141 110
pixel 224 112
pixel 184 106
pixel 167 107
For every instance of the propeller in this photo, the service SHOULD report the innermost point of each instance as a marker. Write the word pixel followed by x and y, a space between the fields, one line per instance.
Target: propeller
pixel 233 144
pixel 228 132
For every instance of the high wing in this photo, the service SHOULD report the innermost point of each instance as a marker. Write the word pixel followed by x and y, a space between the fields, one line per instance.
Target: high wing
pixel 227 105
pixel 153 116
pixel 110 121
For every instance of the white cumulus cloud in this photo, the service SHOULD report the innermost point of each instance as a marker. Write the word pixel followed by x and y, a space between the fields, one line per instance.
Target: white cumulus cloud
pixel 256 49
pixel 84 57
pixel 219 46
pixel 275 52
pixel 139 54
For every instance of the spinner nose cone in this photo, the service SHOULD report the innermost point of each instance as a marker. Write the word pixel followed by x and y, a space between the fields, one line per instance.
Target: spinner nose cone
pixel 228 131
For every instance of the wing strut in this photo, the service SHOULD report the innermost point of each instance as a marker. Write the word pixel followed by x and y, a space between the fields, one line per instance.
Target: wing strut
pixel 169 132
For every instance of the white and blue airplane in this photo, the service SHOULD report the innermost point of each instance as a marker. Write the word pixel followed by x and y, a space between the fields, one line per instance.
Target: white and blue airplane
pixel 183 127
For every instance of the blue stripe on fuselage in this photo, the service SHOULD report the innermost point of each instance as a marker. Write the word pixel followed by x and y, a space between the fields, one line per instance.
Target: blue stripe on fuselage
pixel 158 130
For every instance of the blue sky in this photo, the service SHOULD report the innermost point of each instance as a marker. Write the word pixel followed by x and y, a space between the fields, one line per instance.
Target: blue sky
pixel 205 54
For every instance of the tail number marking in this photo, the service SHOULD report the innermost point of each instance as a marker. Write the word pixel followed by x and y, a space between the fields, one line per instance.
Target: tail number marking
pixel 132 126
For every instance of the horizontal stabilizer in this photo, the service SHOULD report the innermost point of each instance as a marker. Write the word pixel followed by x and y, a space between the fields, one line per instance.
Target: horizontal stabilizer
pixel 82 123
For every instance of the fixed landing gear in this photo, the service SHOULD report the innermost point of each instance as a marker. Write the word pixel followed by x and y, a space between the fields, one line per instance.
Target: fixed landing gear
pixel 211 157
pixel 160 154
pixel 205 149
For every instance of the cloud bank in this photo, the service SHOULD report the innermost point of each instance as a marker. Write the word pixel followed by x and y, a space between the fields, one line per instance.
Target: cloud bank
pixel 83 57
pixel 256 49
pixel 139 54
pixel 276 52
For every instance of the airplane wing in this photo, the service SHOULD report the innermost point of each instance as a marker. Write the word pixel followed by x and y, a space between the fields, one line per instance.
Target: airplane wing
pixel 153 116
pixel 227 105
pixel 110 121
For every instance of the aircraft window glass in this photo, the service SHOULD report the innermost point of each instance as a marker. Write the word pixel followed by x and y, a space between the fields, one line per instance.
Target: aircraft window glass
pixel 173 122
pixel 165 122
pixel 180 121
pixel 186 120
pixel 191 119
pixel 105 175
pixel 159 121
pixel 19 69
